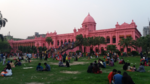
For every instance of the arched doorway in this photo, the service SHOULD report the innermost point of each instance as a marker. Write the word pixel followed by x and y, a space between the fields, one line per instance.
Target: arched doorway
pixel 69 40
pixel 58 42
pixel 122 49
pixel 72 40
pixel 96 49
pixel 108 39
pixel 102 51
pixel 61 42
pixel 91 50
pixel 114 39
pixel 43 44
pixel 65 40
pixel 52 42
pixel 84 49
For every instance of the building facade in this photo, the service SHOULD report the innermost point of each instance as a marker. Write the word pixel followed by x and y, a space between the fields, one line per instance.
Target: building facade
pixel 146 30
pixel 88 29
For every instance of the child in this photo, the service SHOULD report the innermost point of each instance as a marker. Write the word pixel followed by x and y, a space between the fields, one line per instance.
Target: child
pixel 3 73
pixel 133 68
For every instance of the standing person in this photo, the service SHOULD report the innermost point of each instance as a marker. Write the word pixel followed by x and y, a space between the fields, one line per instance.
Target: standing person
pixel 29 57
pixel 4 59
pixel 64 57
pixel 141 54
pixel 46 56
pixel 126 79
pixel 117 78
pixel 111 74
pixel 40 55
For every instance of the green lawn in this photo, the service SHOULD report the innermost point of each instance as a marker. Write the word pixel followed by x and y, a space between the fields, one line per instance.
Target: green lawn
pixel 25 76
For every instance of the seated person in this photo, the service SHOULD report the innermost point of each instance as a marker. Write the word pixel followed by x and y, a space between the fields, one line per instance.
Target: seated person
pixel 39 67
pixel 7 71
pixel 8 61
pixel 129 67
pixel 133 68
pixel 145 63
pixel 125 66
pixel 67 64
pixel 104 64
pixel 61 63
pixel 90 68
pixel 18 63
pixel 141 68
pixel 122 61
pixel 47 67
pixel 94 62
pixel 96 69
pixel 149 63
pixel 12 64
pixel 111 63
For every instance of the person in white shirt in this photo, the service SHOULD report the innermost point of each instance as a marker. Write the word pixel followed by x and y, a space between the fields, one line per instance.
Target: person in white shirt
pixel 8 70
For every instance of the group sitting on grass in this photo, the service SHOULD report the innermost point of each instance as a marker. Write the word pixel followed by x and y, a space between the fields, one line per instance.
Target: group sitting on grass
pixel 61 64
pixel 127 67
pixel 40 68
pixel 7 71
pixel 115 77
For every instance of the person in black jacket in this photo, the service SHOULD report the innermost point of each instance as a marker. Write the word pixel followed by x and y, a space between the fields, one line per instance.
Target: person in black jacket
pixel 67 64
pixel 126 79
pixel 90 68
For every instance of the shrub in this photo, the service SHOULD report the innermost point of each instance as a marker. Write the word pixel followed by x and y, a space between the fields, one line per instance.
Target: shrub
pixel 103 52
pixel 118 52
pixel 135 53
pixel 78 51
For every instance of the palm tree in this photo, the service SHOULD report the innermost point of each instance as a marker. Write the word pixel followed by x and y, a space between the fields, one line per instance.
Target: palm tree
pixel 112 48
pixel 49 40
pixel 2 24
pixel 101 41
pixel 125 42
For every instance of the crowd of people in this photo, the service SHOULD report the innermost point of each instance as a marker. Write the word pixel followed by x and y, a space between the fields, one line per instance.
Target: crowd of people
pixel 114 77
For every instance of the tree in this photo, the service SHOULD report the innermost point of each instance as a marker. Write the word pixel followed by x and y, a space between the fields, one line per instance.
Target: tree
pixel 4 46
pixel 34 49
pixel 111 48
pixel 125 42
pixel 2 24
pixel 79 41
pixel 44 48
pixel 101 40
pixel 144 42
pixel 49 40
pixel 91 41
pixel 40 49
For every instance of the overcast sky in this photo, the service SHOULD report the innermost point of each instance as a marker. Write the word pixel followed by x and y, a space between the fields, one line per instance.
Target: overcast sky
pixel 25 17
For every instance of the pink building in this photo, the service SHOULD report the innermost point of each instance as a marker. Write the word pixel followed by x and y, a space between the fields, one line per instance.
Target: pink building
pixel 88 29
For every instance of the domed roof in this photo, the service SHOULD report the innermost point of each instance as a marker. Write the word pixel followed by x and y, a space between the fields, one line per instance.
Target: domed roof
pixel 88 19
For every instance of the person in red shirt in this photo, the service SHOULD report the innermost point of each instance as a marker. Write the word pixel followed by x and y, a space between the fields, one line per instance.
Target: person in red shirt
pixel 111 74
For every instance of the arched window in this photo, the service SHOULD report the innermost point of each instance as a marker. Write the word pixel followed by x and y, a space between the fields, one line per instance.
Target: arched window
pixel 108 39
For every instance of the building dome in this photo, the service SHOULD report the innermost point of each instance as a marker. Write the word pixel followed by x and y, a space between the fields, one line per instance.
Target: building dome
pixel 88 19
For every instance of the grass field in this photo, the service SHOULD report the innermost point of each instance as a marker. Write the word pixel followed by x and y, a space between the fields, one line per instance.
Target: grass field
pixel 55 76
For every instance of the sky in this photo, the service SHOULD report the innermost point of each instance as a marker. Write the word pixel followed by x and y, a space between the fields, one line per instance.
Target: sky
pixel 25 17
